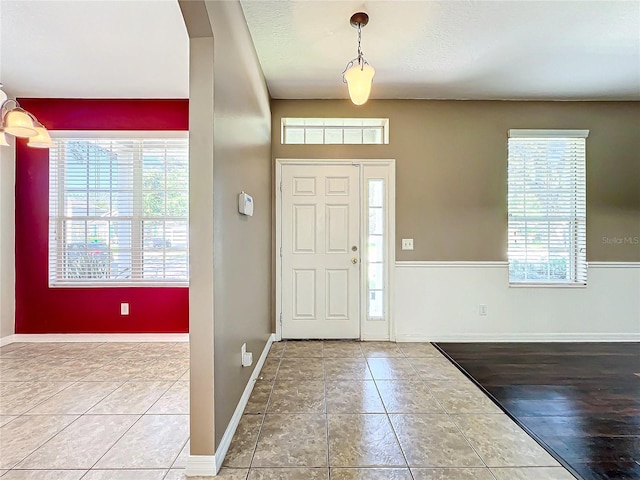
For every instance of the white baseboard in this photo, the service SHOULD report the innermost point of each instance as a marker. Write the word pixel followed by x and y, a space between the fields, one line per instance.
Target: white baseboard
pixel 521 338
pixel 209 465
pixel 7 340
pixel 95 337
pixel 201 466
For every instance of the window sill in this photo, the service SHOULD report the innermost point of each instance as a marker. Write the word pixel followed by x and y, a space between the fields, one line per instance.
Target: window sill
pixel 546 285
pixel 121 285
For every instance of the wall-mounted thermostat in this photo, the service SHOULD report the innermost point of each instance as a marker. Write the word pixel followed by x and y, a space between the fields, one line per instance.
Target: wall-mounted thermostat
pixel 245 204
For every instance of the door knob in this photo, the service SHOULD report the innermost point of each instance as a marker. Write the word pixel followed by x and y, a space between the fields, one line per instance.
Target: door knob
pixel 354 260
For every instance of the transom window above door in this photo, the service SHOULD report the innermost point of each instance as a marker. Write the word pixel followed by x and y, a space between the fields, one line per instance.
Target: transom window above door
pixel 335 131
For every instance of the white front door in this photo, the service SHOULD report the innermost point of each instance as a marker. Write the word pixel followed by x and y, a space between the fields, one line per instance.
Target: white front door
pixel 320 238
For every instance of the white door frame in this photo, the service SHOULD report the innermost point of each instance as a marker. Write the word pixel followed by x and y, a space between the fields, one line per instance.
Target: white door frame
pixel 390 164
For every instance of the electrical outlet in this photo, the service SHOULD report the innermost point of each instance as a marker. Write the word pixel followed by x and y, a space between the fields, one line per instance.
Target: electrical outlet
pixel 407 244
pixel 124 309
pixel 482 310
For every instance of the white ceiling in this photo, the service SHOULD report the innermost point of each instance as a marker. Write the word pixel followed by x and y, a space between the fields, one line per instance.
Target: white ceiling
pixel 514 49
pixel 94 49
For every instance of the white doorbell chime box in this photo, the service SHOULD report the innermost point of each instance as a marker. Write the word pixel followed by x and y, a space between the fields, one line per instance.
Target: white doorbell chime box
pixel 245 204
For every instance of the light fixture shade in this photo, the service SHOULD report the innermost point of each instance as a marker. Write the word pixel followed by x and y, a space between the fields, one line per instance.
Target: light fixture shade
pixel 359 78
pixel 19 124
pixel 3 140
pixel 41 140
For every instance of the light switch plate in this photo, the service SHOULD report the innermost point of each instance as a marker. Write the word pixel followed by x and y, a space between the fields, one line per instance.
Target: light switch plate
pixel 124 309
pixel 407 244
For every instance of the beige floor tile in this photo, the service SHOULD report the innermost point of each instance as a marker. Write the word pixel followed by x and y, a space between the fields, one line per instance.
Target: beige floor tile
pixel 363 441
pixel 297 440
pixel 180 348
pixel 116 349
pixel 223 474
pixel 391 369
pixel 353 396
pixel 166 368
pixel 25 434
pixel 19 397
pixel 78 398
pixel 123 369
pixel 244 442
pixel 434 368
pixel 44 475
pixel 181 461
pixel 276 350
pixel 12 347
pixel 131 398
pixel 501 443
pixel 433 441
pixel 269 370
pixel 81 444
pixel 462 397
pixel 153 442
pixel 342 349
pixel 289 474
pixel 148 349
pixel 73 349
pixel 71 370
pixel 4 419
pixel 532 473
pixel 380 349
pixel 300 368
pixel 174 401
pixel 370 474
pixel 297 396
pixel 451 474
pixel 259 397
pixel 303 349
pixel 407 396
pixel 346 369
pixel 125 475
pixel 419 349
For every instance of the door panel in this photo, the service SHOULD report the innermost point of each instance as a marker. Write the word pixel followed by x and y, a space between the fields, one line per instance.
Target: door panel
pixel 320 226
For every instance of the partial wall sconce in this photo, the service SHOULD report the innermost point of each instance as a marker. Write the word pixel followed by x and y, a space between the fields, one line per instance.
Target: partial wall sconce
pixel 358 74
pixel 18 122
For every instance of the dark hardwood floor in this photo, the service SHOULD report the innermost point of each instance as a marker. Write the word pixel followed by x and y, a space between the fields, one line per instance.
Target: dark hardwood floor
pixel 581 401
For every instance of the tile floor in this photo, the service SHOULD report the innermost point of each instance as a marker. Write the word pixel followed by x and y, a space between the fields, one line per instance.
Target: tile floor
pixel 319 410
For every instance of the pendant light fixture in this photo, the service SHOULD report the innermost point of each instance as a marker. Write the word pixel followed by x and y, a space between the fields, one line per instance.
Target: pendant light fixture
pixel 358 74
pixel 16 121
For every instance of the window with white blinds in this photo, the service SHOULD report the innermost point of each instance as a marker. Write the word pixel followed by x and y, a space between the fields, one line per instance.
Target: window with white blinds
pixel 547 207
pixel 119 209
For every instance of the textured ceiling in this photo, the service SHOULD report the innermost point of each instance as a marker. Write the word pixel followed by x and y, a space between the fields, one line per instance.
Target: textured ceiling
pixel 516 49
pixel 512 49
pixel 99 49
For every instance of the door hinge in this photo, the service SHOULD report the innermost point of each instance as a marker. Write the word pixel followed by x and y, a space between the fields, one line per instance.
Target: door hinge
pixel 280 318
pixel 280 251
pixel 280 186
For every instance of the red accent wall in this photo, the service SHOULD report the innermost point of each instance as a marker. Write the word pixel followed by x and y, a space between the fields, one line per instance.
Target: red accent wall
pixel 40 309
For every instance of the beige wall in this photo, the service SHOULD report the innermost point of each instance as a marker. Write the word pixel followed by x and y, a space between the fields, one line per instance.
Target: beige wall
pixel 230 254
pixel 451 169
pixel 7 241
pixel 242 245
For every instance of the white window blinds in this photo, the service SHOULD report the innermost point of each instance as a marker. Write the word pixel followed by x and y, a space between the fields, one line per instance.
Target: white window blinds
pixel 547 206
pixel 118 211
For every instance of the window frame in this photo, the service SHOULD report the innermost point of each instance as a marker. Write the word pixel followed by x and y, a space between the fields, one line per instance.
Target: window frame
pixel 575 263
pixel 137 219
pixel 334 123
